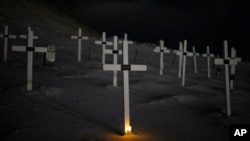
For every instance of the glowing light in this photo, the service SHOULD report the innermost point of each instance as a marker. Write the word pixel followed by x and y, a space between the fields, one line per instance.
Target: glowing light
pixel 128 130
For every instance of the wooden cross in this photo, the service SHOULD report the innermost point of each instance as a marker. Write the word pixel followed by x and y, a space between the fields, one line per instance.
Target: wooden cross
pixel 232 68
pixel 195 61
pixel 208 55
pixel 6 36
pixel 80 38
pixel 125 67
pixel 226 62
pixel 184 54
pixel 115 52
pixel 104 42
pixel 161 50
pixel 30 48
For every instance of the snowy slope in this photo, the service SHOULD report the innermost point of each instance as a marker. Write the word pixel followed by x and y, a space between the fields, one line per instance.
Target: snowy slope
pixel 76 101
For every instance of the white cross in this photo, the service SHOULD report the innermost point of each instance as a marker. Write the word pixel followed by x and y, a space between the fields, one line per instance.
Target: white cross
pixel 226 62
pixel 125 67
pixel 184 54
pixel 232 68
pixel 104 42
pixel 208 55
pixel 115 52
pixel 178 52
pixel 6 36
pixel 195 61
pixel 30 49
pixel 161 50
pixel 126 38
pixel 80 38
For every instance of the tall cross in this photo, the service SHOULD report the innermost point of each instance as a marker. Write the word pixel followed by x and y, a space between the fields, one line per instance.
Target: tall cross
pixel 115 52
pixel 232 68
pixel 161 50
pixel 208 55
pixel 184 55
pixel 226 62
pixel 195 61
pixel 30 48
pixel 6 36
pixel 103 42
pixel 80 38
pixel 125 67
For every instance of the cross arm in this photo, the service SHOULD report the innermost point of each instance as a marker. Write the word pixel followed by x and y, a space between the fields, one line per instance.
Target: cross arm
pixel 25 36
pixel 111 51
pixel 218 61
pixel 24 48
pixel 112 67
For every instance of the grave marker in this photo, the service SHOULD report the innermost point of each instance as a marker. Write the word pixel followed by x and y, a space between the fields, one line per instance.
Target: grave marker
pixel 184 54
pixel 179 53
pixel 104 42
pixel 195 61
pixel 125 67
pixel 232 68
pixel 115 52
pixel 161 49
pixel 208 55
pixel 30 48
pixel 226 62
pixel 6 36
pixel 80 38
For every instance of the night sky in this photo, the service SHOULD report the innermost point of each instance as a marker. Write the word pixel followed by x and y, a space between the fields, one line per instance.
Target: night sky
pixel 201 22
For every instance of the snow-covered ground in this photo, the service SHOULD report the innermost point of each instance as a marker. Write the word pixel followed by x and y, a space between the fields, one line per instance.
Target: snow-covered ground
pixel 76 100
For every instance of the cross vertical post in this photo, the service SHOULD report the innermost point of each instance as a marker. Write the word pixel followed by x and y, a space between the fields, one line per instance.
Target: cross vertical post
pixel 184 63
pixel 180 59
pixel 126 89
pixel 6 36
pixel 227 79
pixel 195 61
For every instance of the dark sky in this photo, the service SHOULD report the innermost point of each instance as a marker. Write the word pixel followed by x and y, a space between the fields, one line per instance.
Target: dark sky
pixel 201 22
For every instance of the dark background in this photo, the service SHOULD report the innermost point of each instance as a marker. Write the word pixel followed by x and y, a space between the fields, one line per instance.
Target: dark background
pixel 201 22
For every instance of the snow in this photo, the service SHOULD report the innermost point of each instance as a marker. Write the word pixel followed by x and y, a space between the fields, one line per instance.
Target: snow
pixel 75 101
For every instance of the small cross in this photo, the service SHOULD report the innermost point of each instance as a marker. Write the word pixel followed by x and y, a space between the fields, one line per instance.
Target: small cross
pixel 208 55
pixel 161 50
pixel 103 42
pixel 80 38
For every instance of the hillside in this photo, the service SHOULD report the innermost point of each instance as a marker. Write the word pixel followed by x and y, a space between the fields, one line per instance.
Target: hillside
pixel 38 13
